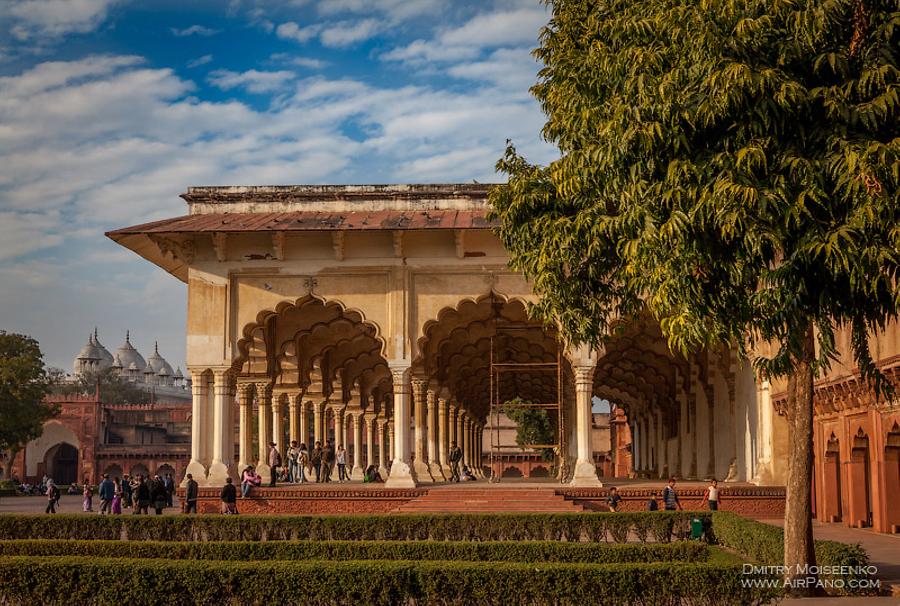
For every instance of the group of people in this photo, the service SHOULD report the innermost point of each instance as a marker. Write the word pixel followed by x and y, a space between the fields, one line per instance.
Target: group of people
pixel 670 499
pixel 137 493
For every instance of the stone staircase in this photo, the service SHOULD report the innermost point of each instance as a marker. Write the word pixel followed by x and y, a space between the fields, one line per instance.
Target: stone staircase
pixel 489 499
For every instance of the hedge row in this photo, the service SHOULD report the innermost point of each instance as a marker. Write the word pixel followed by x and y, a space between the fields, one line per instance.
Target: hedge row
pixel 525 551
pixel 32 580
pixel 660 527
pixel 764 544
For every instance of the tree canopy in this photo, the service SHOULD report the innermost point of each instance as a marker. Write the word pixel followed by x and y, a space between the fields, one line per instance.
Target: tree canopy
pixel 113 388
pixel 23 385
pixel 730 165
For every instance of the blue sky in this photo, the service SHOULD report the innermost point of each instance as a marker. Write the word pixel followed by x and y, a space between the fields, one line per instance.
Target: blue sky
pixel 111 108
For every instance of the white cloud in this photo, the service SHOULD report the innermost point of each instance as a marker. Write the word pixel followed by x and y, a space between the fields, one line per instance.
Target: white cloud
pixel 298 61
pixel 252 80
pixel 292 31
pixel 54 17
pixel 346 33
pixel 394 10
pixel 200 61
pixel 502 28
pixel 195 30
pixel 511 68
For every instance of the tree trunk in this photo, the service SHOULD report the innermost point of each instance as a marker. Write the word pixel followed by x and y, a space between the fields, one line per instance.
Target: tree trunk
pixel 799 552
pixel 8 463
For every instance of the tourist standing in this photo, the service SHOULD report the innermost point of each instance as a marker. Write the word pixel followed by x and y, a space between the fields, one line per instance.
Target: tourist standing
pixel 117 496
pixel 341 457
pixel 229 497
pixel 52 496
pixel 712 495
pixel 455 458
pixel 191 492
pixel 293 456
pixel 127 491
pixel 652 505
pixel 87 494
pixel 158 494
pixel 107 491
pixel 327 461
pixel 141 491
pixel 316 460
pixel 169 483
pixel 613 499
pixel 274 462
pixel 303 463
pixel 670 497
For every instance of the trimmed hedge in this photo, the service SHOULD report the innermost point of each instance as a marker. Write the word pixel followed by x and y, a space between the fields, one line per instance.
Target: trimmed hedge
pixel 595 527
pixel 75 580
pixel 764 543
pixel 524 551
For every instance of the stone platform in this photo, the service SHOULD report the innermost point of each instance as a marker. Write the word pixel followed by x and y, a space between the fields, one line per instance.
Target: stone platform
pixel 485 497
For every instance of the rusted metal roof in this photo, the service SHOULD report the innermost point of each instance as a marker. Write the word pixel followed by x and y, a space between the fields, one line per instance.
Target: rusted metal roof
pixel 314 221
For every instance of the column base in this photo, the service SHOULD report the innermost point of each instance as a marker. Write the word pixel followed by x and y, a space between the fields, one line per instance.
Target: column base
pixel 218 471
pixel 445 470
pixel 383 472
pixel 196 469
pixel 401 475
pixel 264 471
pixel 436 472
pixel 357 474
pixel 585 475
pixel 422 472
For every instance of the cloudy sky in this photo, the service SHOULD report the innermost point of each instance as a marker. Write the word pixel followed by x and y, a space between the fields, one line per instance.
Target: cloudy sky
pixel 111 108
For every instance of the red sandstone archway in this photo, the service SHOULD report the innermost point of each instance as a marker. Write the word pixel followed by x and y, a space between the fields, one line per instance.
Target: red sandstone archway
pixel 892 479
pixel 831 486
pixel 860 481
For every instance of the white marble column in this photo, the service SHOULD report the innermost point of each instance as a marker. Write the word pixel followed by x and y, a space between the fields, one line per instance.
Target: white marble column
pixel 585 473
pixel 304 422
pixel 370 440
pixel 222 465
pixel 402 474
pixel 434 463
pixel 444 436
pixel 382 434
pixel 420 457
pixel 479 448
pixel 454 411
pixel 467 440
pixel 392 447
pixel 245 431
pixel 319 423
pixel 340 434
pixel 357 472
pixel 263 403
pixel 294 418
pixel 196 466
pixel 278 423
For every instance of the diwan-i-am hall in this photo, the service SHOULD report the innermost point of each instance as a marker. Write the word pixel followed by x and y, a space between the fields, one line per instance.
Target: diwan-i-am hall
pixel 386 318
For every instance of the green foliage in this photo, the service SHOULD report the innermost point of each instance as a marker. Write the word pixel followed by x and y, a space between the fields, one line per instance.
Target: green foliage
pixel 533 426
pixel 81 580
pixel 113 388
pixel 512 551
pixel 764 543
pixel 732 165
pixel 596 527
pixel 23 385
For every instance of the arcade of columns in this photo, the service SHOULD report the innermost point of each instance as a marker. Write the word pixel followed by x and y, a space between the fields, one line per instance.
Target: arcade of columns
pixel 370 314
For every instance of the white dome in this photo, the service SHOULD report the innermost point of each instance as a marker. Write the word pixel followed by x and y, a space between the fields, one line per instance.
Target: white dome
pixel 117 363
pixel 129 355
pixel 157 362
pixel 106 358
pixel 88 357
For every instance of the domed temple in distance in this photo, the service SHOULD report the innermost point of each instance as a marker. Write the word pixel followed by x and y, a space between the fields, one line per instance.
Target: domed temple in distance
pixel 91 437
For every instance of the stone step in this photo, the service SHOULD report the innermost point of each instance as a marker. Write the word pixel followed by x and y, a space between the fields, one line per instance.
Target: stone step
pixel 489 500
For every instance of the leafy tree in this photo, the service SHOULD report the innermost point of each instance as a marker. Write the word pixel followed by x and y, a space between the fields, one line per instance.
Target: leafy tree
pixel 113 388
pixel 533 426
pixel 732 166
pixel 23 385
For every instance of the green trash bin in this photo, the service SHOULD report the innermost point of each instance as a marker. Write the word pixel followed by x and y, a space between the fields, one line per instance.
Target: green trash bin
pixel 696 528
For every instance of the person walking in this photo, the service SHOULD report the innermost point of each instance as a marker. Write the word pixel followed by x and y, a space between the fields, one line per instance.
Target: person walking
pixel 191 492
pixel 712 495
pixel 107 491
pixel 274 462
pixel 341 457
pixel 316 459
pixel 229 497
pixel 670 497
pixel 52 496
pixel 455 458
pixel 87 494
pixel 117 496
pixel 293 456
